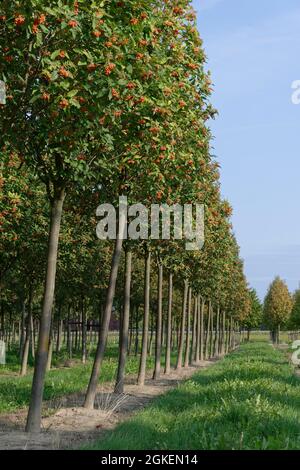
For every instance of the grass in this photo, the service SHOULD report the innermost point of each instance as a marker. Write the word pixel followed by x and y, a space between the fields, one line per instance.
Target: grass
pixel 249 400
pixel 15 390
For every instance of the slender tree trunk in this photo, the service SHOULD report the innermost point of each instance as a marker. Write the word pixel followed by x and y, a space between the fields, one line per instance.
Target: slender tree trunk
pixel 32 338
pixel 194 332
pixel 136 344
pixel 119 386
pixel 28 335
pixel 92 387
pixel 226 336
pixel 182 327
pixel 59 330
pixel 143 360
pixel 169 326
pixel 23 333
pixel 230 334
pixel 222 345
pixel 130 335
pixel 156 373
pixel 151 320
pixel 188 332
pixel 69 334
pixel 208 326
pixel 217 333
pixel 198 330
pixel 35 407
pixel 211 345
pixel 84 332
pixel 50 351
pixel 201 321
pixel 59 335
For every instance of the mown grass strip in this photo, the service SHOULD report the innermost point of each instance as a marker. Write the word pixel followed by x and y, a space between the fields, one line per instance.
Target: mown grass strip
pixel 249 400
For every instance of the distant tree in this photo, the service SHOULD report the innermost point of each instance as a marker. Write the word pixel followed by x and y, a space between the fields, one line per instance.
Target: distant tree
pixel 295 315
pixel 277 307
pixel 255 317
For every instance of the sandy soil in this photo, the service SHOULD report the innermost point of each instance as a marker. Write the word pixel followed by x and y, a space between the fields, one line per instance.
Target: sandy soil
pixel 66 425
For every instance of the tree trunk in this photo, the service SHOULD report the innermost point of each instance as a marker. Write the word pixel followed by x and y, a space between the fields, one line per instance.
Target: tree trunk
pixel 194 332
pixel 28 335
pixel 34 414
pixel 130 335
pixel 136 344
pixel 156 373
pixel 169 326
pixel 206 354
pixel 201 321
pixel 23 332
pixel 50 351
pixel 222 341
pixel 188 332
pixel 211 345
pixel 278 334
pixel 151 320
pixel 143 360
pixel 119 386
pixel 198 330
pixel 69 334
pixel 84 332
pixel 92 387
pixel 182 327
pixel 32 337
pixel 217 333
pixel 59 335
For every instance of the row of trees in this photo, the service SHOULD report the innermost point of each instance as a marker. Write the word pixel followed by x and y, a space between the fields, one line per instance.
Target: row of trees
pixel 110 98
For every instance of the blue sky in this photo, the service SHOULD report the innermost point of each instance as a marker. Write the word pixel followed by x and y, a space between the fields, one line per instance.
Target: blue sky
pixel 253 53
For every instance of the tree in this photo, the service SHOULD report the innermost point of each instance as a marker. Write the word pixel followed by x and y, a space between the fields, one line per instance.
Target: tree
pixel 277 307
pixel 255 317
pixel 62 60
pixel 295 314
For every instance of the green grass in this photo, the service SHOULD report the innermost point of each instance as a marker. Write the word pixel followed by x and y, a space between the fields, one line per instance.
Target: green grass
pixel 15 390
pixel 249 400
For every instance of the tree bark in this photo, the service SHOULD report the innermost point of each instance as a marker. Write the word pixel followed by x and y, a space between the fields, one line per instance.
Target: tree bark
pixel 188 332
pixel 34 414
pixel 217 333
pixel 84 332
pixel 222 345
pixel 194 332
pixel 23 327
pixel 136 343
pixel 28 335
pixel 158 338
pixel 119 386
pixel 92 387
pixel 182 326
pixel 50 351
pixel 211 346
pixel 201 321
pixel 169 326
pixel 143 360
pixel 59 335
pixel 206 353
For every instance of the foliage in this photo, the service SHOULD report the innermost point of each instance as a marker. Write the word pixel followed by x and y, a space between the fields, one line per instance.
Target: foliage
pixel 278 304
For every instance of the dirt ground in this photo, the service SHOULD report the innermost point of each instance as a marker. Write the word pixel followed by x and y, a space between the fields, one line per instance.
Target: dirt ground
pixel 67 425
